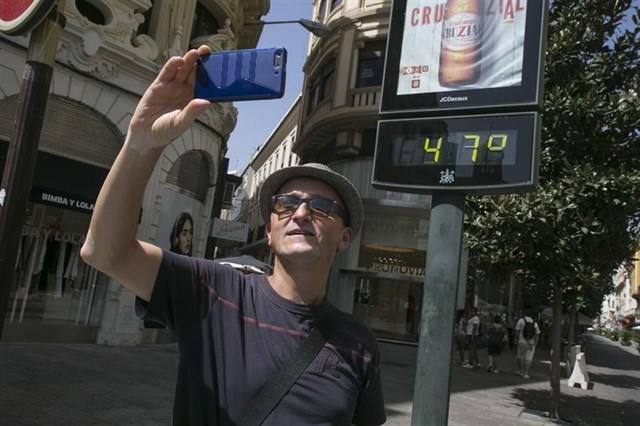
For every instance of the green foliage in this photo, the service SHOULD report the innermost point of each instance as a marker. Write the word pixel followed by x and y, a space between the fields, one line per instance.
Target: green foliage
pixel 625 338
pixel 584 219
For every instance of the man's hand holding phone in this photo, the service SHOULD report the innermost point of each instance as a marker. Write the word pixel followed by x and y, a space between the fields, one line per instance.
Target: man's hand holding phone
pixel 168 107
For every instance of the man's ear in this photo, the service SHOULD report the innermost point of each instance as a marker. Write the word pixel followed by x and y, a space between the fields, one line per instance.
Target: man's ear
pixel 268 233
pixel 345 238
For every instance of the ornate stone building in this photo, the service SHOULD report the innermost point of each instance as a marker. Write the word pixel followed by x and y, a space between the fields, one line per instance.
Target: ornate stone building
pixel 108 53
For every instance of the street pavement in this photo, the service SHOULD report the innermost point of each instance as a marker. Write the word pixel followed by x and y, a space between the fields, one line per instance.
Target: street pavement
pixel 84 384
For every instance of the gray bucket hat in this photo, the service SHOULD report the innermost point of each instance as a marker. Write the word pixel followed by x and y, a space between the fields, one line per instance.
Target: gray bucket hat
pixel 345 189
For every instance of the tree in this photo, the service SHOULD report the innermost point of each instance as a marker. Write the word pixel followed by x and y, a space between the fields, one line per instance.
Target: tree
pixel 569 236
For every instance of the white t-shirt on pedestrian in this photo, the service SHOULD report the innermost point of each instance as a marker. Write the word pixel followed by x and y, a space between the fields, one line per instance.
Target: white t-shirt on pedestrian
pixel 474 320
pixel 520 327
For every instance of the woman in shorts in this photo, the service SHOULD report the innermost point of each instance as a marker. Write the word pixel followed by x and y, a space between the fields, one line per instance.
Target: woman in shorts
pixel 495 338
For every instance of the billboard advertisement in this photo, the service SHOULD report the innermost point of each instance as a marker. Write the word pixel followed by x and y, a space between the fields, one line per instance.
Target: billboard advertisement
pixel 449 45
pixel 444 55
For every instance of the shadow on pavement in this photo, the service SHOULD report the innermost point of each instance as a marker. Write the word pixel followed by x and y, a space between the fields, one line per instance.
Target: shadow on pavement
pixel 616 380
pixel 582 410
pixel 624 360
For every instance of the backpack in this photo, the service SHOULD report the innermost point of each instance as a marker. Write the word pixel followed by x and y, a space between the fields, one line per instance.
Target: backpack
pixel 529 330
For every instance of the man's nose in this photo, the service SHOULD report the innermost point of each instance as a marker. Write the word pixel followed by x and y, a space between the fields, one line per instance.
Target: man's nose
pixel 302 212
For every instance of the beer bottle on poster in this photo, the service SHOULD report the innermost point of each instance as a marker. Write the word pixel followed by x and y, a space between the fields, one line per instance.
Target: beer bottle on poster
pixel 460 48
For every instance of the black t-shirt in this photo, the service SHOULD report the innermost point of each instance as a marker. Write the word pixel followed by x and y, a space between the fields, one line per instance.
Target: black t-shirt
pixel 234 332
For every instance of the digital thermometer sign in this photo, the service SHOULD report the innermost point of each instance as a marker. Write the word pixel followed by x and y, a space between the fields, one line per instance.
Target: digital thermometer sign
pixel 468 154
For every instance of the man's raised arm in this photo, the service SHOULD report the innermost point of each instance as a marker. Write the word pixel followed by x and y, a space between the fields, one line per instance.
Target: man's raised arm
pixel 165 111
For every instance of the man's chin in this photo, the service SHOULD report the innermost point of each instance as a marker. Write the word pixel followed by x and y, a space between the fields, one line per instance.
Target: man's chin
pixel 299 253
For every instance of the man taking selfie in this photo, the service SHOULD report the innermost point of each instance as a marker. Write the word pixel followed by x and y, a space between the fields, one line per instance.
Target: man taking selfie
pixel 235 332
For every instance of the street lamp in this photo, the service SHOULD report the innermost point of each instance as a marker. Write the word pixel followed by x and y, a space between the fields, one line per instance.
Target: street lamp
pixel 316 28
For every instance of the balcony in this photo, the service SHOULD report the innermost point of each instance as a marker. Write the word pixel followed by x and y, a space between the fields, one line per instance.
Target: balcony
pixel 364 97
pixel 360 111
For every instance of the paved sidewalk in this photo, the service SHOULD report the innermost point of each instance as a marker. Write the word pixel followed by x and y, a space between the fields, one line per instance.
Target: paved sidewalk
pixel 55 384
pixel 481 399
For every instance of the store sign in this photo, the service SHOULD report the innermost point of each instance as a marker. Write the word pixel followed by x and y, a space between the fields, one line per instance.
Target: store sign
pixel 18 17
pixel 69 202
pixel 398 269
pixel 50 234
pixel 229 230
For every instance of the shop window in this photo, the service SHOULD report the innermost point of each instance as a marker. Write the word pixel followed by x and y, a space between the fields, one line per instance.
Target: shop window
pixel 371 64
pixel 321 86
pixel 390 307
pixel 90 11
pixel 204 23
pixel 394 243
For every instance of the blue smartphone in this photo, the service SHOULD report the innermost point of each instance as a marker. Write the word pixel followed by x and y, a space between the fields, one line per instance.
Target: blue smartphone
pixel 242 75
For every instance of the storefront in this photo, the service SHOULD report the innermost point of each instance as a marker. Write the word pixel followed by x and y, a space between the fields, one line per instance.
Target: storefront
pixel 389 273
pixel 54 295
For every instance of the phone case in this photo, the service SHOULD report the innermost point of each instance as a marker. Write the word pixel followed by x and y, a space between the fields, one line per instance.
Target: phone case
pixel 242 75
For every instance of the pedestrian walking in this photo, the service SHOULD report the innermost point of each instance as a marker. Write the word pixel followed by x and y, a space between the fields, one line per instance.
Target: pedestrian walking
pixel 460 333
pixel 472 331
pixel 237 332
pixel 528 334
pixel 496 337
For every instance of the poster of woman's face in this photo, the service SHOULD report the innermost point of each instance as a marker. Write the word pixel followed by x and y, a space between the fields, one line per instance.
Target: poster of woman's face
pixel 182 234
pixel 178 224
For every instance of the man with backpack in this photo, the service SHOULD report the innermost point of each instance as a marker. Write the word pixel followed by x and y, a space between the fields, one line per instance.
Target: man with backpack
pixel 528 334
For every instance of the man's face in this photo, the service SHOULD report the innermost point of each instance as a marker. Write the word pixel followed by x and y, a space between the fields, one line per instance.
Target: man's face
pixel 304 236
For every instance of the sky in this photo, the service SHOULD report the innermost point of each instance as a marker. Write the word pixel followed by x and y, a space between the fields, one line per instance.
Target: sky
pixel 258 119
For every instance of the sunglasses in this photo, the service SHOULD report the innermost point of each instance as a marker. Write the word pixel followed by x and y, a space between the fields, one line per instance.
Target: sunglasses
pixel 320 206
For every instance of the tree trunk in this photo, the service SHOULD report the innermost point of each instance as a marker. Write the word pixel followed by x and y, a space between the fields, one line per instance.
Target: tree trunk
pixel 556 349
pixel 571 331
pixel 571 337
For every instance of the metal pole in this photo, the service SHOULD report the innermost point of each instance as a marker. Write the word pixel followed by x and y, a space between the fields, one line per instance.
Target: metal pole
pixel 23 146
pixel 433 369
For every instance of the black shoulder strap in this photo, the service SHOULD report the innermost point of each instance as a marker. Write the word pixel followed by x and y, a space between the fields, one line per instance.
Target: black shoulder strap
pixel 279 384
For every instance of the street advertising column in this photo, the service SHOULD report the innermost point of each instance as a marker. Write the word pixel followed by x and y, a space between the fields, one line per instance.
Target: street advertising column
pixel 460 108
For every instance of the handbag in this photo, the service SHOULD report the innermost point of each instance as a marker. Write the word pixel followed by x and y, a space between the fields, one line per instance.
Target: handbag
pixel 279 384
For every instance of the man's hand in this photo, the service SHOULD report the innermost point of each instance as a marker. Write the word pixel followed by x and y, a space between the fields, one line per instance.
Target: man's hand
pixel 167 108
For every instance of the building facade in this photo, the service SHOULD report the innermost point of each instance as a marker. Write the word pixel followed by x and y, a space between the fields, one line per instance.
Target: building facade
pixel 621 308
pixel 108 53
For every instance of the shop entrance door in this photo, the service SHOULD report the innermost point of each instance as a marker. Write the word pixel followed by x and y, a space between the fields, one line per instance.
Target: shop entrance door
pixel 390 307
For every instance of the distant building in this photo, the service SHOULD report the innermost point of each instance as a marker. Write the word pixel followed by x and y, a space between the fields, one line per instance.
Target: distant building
pixel 274 154
pixel 622 307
